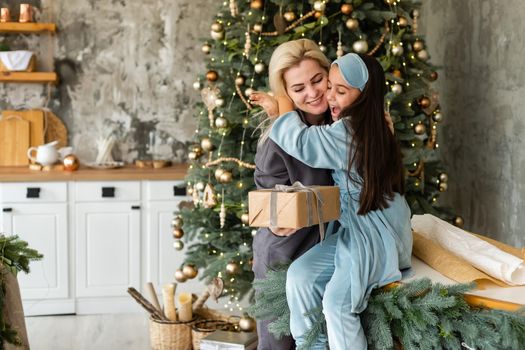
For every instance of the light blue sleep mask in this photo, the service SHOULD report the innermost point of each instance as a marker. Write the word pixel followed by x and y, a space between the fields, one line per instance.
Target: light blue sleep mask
pixel 353 69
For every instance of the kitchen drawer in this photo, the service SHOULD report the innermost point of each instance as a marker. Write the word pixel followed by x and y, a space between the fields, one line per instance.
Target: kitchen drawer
pixel 107 191
pixel 165 190
pixel 33 192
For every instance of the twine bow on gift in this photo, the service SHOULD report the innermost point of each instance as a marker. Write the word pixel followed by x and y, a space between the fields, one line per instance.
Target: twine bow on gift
pixel 312 191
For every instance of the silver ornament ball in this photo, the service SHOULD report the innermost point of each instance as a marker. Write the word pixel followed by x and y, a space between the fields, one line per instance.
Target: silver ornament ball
pixel 221 122
pixel 219 102
pixel 178 245
pixel 259 67
pixel 397 88
pixel 206 48
pixel 423 55
pixel 352 24
pixel 360 46
pixel 437 117
pixel 397 50
pixel 197 85
pixel 319 6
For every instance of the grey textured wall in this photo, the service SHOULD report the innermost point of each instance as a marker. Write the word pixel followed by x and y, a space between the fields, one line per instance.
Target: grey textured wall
pixel 127 65
pixel 480 46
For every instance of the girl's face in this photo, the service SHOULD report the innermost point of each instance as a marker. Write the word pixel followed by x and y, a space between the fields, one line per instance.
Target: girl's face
pixel 339 93
pixel 306 86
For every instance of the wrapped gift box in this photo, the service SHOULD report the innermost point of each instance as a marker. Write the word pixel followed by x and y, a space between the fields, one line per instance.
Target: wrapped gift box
pixel 293 206
pixel 223 340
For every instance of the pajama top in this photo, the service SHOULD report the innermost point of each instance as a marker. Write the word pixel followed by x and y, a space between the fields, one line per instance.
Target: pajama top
pixel 376 245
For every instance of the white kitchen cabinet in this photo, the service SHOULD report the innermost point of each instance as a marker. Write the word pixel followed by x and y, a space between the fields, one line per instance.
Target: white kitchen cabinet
pixel 38 213
pixel 98 238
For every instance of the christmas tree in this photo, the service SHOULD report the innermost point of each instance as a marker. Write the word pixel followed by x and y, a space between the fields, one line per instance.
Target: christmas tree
pixel 243 37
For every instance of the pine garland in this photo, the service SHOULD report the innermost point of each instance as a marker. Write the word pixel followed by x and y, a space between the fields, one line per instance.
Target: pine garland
pixel 15 256
pixel 417 315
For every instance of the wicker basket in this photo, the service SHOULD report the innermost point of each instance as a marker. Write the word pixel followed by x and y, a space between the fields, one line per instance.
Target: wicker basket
pixel 202 328
pixel 170 335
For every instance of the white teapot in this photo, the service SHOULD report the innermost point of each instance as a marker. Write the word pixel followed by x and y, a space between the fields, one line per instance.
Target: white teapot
pixel 45 154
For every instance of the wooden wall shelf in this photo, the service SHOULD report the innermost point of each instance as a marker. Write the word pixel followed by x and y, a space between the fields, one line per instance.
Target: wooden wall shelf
pixel 16 27
pixel 28 77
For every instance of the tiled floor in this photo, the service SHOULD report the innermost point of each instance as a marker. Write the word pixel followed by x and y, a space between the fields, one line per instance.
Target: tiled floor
pixel 100 332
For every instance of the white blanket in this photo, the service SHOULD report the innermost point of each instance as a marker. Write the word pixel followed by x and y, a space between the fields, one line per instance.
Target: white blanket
pixel 482 255
pixel 16 60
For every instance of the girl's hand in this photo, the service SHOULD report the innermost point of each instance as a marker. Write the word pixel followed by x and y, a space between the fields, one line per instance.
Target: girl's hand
pixel 267 102
pixel 282 231
pixel 389 122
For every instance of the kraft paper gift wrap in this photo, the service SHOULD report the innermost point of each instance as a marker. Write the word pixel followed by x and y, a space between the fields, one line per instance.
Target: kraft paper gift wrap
pixel 465 257
pixel 295 206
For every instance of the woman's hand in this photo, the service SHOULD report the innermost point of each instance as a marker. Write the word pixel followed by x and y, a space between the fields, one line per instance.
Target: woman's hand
pixel 267 102
pixel 282 231
pixel 389 122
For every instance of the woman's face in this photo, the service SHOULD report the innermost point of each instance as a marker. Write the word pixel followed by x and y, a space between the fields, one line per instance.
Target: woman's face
pixel 339 93
pixel 306 85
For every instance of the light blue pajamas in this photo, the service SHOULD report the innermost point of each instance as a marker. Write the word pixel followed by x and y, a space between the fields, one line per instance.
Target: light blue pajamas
pixel 366 252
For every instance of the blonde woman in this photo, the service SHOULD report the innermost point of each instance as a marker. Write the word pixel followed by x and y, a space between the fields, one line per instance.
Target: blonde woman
pixel 298 70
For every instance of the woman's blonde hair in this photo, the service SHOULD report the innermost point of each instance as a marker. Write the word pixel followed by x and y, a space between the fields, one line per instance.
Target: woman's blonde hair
pixel 286 56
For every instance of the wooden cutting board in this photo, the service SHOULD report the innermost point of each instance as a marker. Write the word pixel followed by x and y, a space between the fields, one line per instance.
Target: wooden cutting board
pixel 14 141
pixel 35 117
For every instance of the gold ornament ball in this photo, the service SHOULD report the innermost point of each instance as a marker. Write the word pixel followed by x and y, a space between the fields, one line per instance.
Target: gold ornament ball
pixel 178 233
pixel 289 16
pixel 397 73
pixel 206 48
pixel 352 24
pixel 178 245
pixel 257 27
pixel 249 91
pixel 256 4
pixel 247 324
pixel 206 144
pixel 245 218
pixel 217 35
pixel 219 102
pixel 360 46
pixel 437 117
pixel 403 22
pixel 177 222
pixel 221 122
pixel 423 55
pixel 259 67
pixel 226 177
pixel 233 268
pixel 347 9
pixel 318 14
pixel 189 190
pixel 418 45
pixel 190 271
pixel 420 129
pixel 217 27
pixel 458 221
pixel 397 50
pixel 424 102
pixel 218 173
pixel 433 76
pixel 71 163
pixel 197 85
pixel 443 177
pixel 397 89
pixel 200 186
pixel 192 155
pixel 240 80
pixel 197 149
pixel 319 6
pixel 212 75
pixel 443 187
pixel 180 276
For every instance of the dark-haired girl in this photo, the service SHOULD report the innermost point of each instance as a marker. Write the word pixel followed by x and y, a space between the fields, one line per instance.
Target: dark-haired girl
pixel 374 241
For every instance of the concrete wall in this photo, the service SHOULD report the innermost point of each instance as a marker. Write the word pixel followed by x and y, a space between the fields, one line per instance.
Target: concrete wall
pixel 480 46
pixel 125 65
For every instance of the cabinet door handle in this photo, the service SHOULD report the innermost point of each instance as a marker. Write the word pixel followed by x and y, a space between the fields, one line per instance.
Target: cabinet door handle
pixel 179 191
pixel 7 210
pixel 135 207
pixel 33 192
pixel 108 192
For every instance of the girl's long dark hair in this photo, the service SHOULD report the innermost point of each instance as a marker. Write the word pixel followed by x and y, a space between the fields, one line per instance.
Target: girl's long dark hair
pixel 374 153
